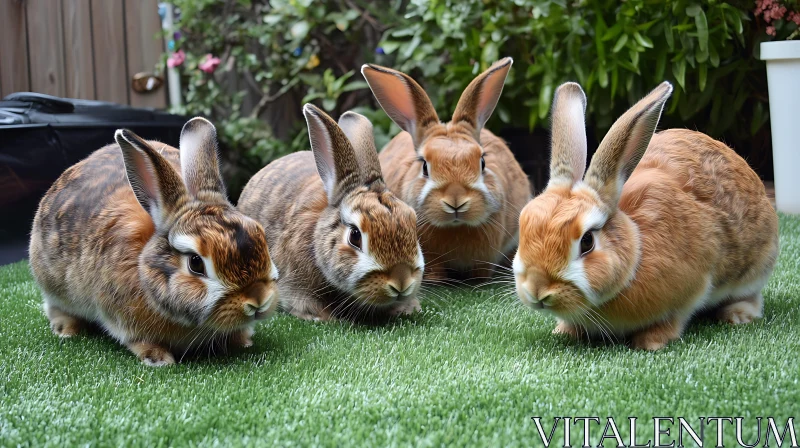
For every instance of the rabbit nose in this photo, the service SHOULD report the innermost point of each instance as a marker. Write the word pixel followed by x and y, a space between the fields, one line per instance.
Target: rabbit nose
pixel 257 298
pixel 401 280
pixel 459 205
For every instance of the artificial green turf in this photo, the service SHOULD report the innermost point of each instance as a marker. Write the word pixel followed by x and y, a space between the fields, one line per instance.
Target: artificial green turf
pixel 471 368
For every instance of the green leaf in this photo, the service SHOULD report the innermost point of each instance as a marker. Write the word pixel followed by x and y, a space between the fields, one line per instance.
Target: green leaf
pixel 390 46
pixel 355 85
pixel 670 37
pixel 311 97
pixel 409 49
pixel 599 29
pixel 602 76
pixel 679 70
pixel 693 10
pixel 620 43
pixel 490 53
pixel 661 65
pixel 643 40
pixel 713 56
pixel 329 104
pixel 702 74
pixel 614 81
pixel 702 30
pixel 299 30
pixel 545 96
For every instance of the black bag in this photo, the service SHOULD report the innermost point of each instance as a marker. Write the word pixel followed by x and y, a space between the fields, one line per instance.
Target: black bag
pixel 42 135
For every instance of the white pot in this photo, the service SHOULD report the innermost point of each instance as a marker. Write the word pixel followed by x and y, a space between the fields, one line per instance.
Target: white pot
pixel 783 77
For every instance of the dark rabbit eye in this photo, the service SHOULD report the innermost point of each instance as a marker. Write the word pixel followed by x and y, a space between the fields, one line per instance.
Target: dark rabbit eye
pixel 424 168
pixel 196 265
pixel 483 164
pixel 355 237
pixel 587 243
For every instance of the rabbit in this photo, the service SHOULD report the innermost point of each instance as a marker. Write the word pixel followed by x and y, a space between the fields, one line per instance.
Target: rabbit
pixel 461 179
pixel 348 247
pixel 659 228
pixel 140 239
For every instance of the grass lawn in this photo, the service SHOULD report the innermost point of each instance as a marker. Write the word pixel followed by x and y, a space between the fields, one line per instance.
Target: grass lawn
pixel 471 369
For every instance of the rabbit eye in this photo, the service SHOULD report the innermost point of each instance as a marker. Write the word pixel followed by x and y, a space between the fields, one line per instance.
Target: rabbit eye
pixel 355 237
pixel 424 168
pixel 483 164
pixel 196 265
pixel 587 243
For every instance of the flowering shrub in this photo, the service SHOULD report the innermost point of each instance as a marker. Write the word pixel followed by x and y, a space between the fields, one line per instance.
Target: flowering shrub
pixel 782 18
pixel 250 64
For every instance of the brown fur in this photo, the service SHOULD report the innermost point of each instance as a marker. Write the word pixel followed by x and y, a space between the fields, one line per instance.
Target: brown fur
pixel 478 237
pixel 693 229
pixel 99 256
pixel 307 235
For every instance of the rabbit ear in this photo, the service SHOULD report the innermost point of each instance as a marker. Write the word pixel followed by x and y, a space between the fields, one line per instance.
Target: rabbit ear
pixel 157 186
pixel 624 145
pixel 199 158
pixel 333 153
pixel 481 95
pixel 568 135
pixel 403 100
pixel 358 130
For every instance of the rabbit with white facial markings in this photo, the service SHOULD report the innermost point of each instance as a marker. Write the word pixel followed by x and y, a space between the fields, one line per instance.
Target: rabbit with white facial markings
pixel 659 228
pixel 140 239
pixel 462 180
pixel 346 245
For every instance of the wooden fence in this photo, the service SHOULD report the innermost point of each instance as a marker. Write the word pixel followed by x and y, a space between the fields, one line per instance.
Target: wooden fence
pixel 88 49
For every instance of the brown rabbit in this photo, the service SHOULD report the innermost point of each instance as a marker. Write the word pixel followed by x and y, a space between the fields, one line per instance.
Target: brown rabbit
pixel 655 231
pixel 140 239
pixel 461 179
pixel 348 247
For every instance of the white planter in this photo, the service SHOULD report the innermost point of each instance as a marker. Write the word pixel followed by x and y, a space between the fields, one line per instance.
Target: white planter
pixel 783 77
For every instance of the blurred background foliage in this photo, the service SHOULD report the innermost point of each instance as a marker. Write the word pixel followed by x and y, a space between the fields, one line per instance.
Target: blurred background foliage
pixel 275 55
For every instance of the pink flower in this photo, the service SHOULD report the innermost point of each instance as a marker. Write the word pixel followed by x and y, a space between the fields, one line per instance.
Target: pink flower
pixel 771 30
pixel 176 59
pixel 209 64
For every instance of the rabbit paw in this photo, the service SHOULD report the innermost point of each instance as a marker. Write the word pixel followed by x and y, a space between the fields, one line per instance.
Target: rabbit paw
pixel 407 308
pixel 567 328
pixel 242 339
pixel 151 354
pixel 65 326
pixel 741 312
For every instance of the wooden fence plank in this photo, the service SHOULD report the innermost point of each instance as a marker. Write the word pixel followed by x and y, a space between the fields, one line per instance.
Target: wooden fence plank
pixel 46 46
pixel 143 27
pixel 13 47
pixel 78 56
pixel 108 33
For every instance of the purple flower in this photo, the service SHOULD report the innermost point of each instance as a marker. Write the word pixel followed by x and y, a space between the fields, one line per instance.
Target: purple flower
pixel 379 50
pixel 297 51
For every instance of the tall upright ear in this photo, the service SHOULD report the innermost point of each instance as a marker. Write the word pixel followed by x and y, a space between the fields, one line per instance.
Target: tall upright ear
pixel 624 145
pixel 334 155
pixel 403 100
pixel 568 135
pixel 358 130
pixel 199 158
pixel 157 186
pixel 480 98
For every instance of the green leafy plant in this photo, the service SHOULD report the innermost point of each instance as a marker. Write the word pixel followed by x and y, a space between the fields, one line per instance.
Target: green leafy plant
pixel 616 50
pixel 274 55
pixel 248 65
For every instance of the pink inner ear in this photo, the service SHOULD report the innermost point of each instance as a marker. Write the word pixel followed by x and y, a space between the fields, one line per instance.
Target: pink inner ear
pixel 148 181
pixel 490 93
pixel 393 93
